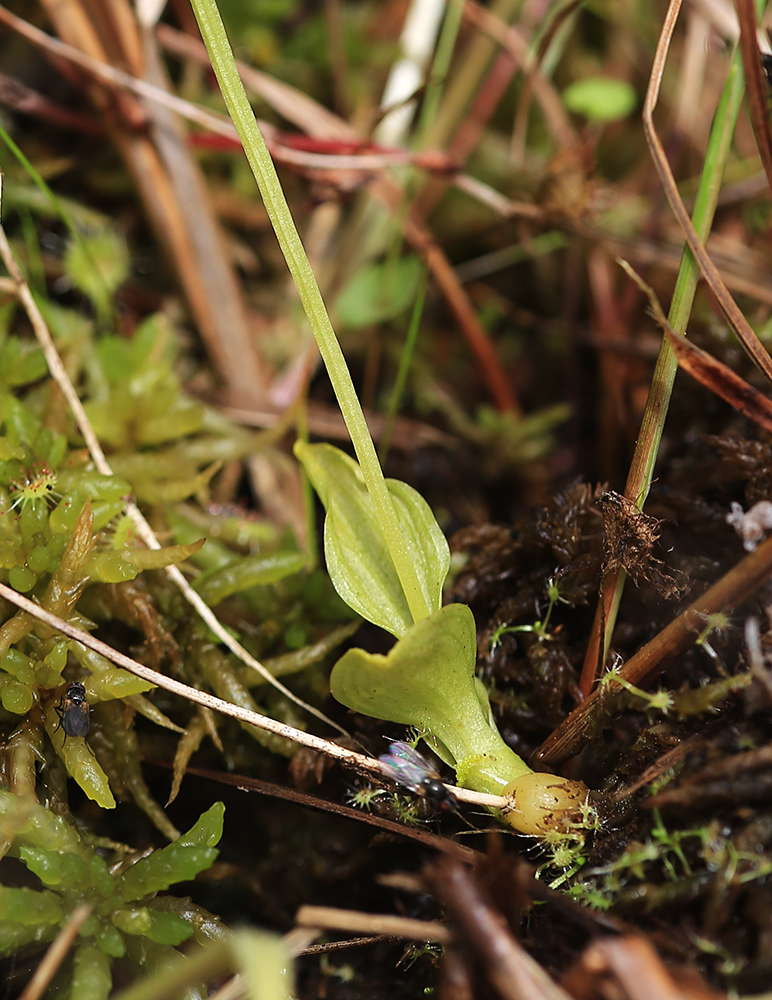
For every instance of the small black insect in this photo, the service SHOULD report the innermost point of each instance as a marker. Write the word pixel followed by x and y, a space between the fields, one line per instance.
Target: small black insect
pixel 405 765
pixel 74 712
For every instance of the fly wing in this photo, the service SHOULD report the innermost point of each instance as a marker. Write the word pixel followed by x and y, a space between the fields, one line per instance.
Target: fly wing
pixel 405 765
pixel 76 721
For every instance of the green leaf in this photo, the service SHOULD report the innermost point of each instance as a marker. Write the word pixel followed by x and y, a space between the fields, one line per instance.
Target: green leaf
pixel 34 824
pixel 163 928
pixel 26 906
pixel 20 364
pixel 91 977
pixel 56 869
pixel 125 564
pixel 379 292
pixel 181 420
pixel 15 936
pixel 158 492
pixel 168 928
pixel 600 98
pixel 207 830
pixel 427 681
pixel 251 571
pixel 68 869
pixel 181 861
pixel 163 868
pixel 80 762
pixel 97 264
pixel 358 560
pixel 114 683
pixel 109 939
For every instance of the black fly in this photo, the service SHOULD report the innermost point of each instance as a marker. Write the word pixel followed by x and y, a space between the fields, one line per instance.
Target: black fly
pixel 405 765
pixel 73 711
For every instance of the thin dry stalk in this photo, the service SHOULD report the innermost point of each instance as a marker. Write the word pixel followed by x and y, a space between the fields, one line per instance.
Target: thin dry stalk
pixel 467 855
pixel 331 918
pixel 508 966
pixel 477 337
pixel 155 149
pixel 639 477
pixel 298 108
pixel 756 656
pixel 383 189
pixel 706 369
pixel 627 967
pixel 365 162
pixel 758 92
pixel 367 765
pixel 56 954
pixel 745 271
pixel 755 349
pixel 358 761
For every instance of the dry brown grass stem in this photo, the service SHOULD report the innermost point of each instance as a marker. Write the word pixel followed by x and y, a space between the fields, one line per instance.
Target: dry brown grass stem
pixel 56 953
pixel 331 918
pixel 758 92
pixel 729 307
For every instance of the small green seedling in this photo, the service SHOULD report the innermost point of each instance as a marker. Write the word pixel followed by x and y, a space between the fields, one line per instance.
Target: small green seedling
pixel 539 628
pixel 427 680
pixel 656 701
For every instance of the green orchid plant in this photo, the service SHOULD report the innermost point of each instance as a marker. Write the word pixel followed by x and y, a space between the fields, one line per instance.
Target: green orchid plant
pixel 385 552
pixel 427 680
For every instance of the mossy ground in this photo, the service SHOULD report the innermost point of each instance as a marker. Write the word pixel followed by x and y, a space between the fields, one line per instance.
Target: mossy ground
pixel 683 853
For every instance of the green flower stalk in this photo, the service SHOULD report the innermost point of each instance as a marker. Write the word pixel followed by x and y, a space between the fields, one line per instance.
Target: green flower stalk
pixel 385 553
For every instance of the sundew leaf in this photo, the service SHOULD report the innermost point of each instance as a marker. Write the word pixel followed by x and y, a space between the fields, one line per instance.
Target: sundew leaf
pixel 600 98
pixel 181 861
pixel 29 907
pixel 379 292
pixel 91 975
pixel 251 571
pixel 358 559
